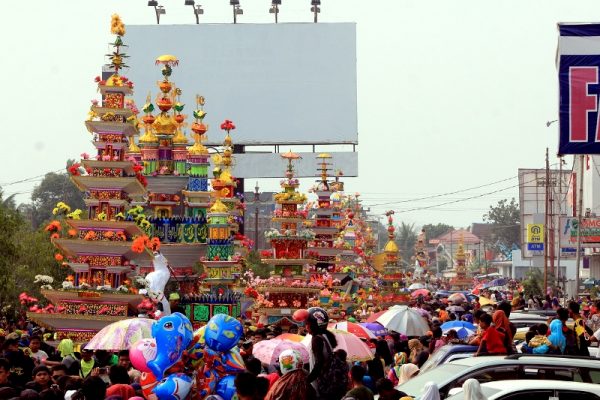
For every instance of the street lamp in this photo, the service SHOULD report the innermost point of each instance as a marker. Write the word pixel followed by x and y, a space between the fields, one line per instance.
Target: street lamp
pixel 197 9
pixel 315 8
pixel 275 9
pixel 237 10
pixel 158 10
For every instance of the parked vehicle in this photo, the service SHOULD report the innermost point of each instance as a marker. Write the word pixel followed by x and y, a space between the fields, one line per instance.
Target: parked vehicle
pixel 500 368
pixel 447 353
pixel 536 390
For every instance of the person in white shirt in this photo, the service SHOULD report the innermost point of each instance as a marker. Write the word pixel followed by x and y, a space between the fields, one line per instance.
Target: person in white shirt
pixel 38 355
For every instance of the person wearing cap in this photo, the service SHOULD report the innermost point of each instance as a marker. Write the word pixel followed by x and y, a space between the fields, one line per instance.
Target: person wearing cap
pixel 174 303
pixel 21 366
pixel 87 363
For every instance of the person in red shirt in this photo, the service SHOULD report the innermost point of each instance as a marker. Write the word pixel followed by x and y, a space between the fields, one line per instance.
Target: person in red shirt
pixel 492 341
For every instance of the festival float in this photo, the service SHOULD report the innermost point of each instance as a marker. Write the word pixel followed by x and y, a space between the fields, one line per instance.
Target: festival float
pixel 323 225
pixel 460 281
pixel 98 248
pixel 223 261
pixel 392 279
pixel 289 287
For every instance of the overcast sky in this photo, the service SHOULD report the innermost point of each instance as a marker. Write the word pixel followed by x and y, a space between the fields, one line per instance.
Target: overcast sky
pixel 451 94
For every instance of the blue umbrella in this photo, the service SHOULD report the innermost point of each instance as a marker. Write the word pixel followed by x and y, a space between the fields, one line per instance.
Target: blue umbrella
pixel 458 325
pixel 462 333
pixel 495 282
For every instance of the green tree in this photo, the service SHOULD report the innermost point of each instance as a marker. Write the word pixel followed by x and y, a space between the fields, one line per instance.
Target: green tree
pixel 505 217
pixel 53 188
pixel 406 239
pixel 534 282
pixel 432 231
pixel 254 263
pixel 25 253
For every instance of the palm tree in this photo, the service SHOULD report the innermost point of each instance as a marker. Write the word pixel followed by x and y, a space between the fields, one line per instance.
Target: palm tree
pixel 407 238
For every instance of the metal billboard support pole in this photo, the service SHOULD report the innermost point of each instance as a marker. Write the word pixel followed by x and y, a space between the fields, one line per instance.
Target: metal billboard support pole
pixel 579 207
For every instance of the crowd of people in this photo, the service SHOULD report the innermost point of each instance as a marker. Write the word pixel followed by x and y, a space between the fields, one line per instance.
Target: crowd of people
pixel 31 368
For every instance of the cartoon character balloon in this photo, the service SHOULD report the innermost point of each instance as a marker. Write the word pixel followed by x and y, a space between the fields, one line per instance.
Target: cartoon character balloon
pixel 222 332
pixel 173 334
pixel 157 280
pixel 141 352
pixel 232 361
pixel 174 387
pixel 226 388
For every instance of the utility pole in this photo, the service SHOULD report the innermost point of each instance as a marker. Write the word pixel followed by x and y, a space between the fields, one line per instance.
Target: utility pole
pixel 579 220
pixel 547 213
pixel 256 210
pixel 560 212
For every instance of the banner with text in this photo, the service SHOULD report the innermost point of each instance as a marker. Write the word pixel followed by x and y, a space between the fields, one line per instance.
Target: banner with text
pixel 579 88
pixel 589 231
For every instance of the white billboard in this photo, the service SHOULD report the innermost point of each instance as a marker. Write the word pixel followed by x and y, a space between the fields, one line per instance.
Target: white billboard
pixel 280 83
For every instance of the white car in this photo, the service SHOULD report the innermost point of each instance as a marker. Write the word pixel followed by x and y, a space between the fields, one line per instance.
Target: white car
pixel 527 389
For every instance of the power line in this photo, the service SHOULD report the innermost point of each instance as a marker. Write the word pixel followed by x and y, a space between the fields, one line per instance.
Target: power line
pixel 30 179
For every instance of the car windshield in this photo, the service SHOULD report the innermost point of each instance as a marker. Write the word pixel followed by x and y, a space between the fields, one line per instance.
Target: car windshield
pixel 439 375
pixel 487 392
pixel 435 359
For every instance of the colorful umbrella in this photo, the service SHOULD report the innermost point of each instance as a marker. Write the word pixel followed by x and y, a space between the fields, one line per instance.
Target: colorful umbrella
pixel 457 298
pixel 353 328
pixel 420 292
pixel 290 336
pixel 356 349
pixel 455 309
pixel 484 301
pixel 416 286
pixel 268 351
pixel 462 333
pixel 495 282
pixel 446 326
pixel 404 320
pixel 122 334
pixel 375 327
pixel 477 289
pixel 373 317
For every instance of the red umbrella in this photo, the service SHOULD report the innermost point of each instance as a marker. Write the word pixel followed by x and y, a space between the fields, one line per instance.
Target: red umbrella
pixel 373 317
pixel 353 328
pixel 420 292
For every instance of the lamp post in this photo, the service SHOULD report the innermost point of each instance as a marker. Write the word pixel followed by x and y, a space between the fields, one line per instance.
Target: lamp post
pixel 197 9
pixel 237 10
pixel 315 9
pixel 158 9
pixel 275 9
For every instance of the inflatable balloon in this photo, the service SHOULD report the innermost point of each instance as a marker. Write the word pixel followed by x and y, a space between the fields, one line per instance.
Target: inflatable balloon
pixel 173 387
pixel 232 361
pixel 207 381
pixel 300 315
pixel 213 397
pixel 157 280
pixel 195 351
pixel 141 352
pixel 173 334
pixel 226 388
pixel 222 332
pixel 148 382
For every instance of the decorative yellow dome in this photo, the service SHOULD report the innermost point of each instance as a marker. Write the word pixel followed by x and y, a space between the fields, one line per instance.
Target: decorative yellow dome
pixel 226 177
pixel 164 124
pixel 197 149
pixel 227 141
pixel 218 207
pixel 391 247
pixel 133 148
pixel 180 137
pixel 148 137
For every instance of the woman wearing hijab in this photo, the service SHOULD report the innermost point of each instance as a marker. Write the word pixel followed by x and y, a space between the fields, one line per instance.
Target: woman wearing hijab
pixel 394 372
pixel 407 371
pixel 503 325
pixel 293 384
pixel 556 337
pixel 430 392
pixel 472 390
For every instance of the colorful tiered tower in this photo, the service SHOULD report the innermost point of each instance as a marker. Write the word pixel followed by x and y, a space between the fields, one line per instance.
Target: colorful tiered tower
pixel 421 258
pixel 392 278
pixel 176 174
pixel 98 248
pixel 324 228
pixel 289 257
pixel 222 263
pixel 461 281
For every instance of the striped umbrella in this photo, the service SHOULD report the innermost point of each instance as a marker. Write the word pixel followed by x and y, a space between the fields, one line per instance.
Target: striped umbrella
pixel 354 328
pixel 356 349
pixel 122 334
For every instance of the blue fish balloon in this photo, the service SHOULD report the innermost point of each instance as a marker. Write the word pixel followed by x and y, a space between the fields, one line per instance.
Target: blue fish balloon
pixel 173 387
